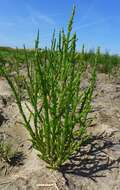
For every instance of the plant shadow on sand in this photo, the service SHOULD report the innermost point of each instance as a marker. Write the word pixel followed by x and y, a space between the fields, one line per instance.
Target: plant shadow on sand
pixel 17 159
pixel 92 158
pixel 2 118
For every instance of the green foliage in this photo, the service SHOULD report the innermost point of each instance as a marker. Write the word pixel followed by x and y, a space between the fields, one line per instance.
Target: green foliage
pixel 53 87
pixel 106 63
pixel 9 57
pixel 20 81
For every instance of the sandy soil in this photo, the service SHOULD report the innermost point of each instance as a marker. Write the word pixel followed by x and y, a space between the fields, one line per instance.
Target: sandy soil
pixel 95 167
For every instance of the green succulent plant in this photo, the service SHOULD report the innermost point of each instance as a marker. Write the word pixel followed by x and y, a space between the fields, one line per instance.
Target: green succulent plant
pixel 53 87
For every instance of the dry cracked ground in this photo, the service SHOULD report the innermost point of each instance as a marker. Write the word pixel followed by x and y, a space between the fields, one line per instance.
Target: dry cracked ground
pixel 95 167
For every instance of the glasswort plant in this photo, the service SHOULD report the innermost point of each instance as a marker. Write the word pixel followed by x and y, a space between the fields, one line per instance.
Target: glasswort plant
pixel 53 89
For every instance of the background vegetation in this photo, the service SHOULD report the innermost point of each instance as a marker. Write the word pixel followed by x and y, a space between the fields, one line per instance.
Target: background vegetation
pixel 107 63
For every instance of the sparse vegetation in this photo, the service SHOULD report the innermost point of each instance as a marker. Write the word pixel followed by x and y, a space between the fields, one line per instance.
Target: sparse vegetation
pixel 106 63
